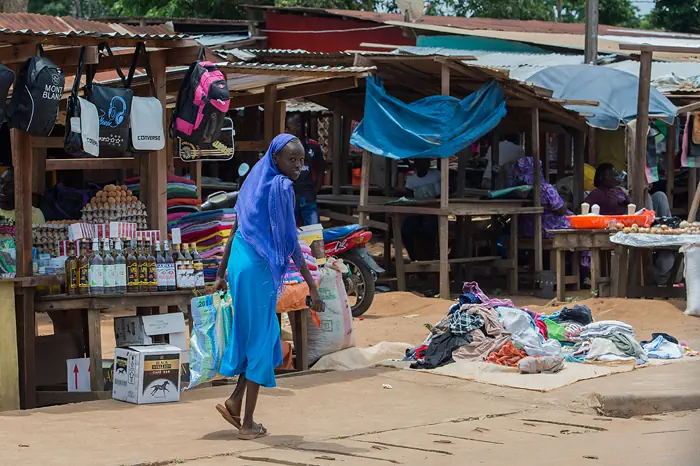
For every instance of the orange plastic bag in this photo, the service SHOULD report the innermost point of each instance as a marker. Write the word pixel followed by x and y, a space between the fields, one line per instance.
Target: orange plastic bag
pixel 294 298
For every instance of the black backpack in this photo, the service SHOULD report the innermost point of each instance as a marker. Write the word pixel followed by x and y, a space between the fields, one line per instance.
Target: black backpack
pixel 7 77
pixel 36 96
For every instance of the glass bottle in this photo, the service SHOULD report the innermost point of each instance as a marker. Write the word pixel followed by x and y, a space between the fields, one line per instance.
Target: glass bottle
pixel 151 264
pixel 169 268
pixel 132 270
pixel 110 272
pixel 71 272
pixel 189 267
pixel 83 269
pixel 120 274
pixel 143 267
pixel 96 271
pixel 180 269
pixel 161 272
pixel 198 267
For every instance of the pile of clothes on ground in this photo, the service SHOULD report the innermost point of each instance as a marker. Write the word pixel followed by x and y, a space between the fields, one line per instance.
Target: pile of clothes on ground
pixel 182 196
pixel 478 328
pixel 209 230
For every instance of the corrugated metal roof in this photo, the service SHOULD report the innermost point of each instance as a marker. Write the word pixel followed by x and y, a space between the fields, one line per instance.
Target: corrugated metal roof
pixel 662 72
pixel 215 40
pixel 274 68
pixel 31 24
pixel 301 105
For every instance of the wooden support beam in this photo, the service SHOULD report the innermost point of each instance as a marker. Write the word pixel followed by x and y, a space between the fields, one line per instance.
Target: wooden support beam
pixel 537 187
pixel 280 117
pixel 99 163
pixel 158 165
pixel 336 136
pixel 364 186
pixel 345 150
pixel 270 101
pixel 638 185
pixel 671 163
pixel 197 177
pixel 579 145
pixel 495 155
pixel 692 189
pixel 444 203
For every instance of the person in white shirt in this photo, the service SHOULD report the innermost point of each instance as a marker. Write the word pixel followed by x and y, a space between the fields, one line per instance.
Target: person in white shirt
pixel 509 151
pixel 422 184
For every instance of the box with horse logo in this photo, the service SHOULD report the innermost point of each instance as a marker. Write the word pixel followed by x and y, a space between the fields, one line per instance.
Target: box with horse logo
pixel 147 374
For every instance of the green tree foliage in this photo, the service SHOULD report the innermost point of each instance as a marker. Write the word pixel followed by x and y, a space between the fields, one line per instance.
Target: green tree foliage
pixel 610 12
pixel 78 8
pixel 676 15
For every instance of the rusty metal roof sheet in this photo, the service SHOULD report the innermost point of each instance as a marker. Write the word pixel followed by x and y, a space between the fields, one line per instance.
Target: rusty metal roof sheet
pixel 273 68
pixel 31 24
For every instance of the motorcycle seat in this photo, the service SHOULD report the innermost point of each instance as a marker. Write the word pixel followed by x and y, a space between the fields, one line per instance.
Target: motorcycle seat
pixel 337 233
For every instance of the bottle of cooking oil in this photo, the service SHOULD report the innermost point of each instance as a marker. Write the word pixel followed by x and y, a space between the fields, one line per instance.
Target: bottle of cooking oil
pixel 198 267
pixel 189 267
pixel 132 270
pixel 96 272
pixel 83 269
pixel 110 282
pixel 151 264
pixel 169 268
pixel 180 269
pixel 71 272
pixel 161 272
pixel 120 273
pixel 143 267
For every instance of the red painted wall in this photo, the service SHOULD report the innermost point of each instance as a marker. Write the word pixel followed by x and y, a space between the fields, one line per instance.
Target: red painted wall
pixel 331 41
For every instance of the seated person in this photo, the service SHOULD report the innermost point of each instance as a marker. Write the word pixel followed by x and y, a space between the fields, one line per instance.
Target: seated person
pixel 613 200
pixel 555 211
pixel 419 232
pixel 7 198
pixel 509 152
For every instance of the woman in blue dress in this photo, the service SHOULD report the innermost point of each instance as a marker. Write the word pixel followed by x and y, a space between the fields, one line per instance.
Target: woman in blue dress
pixel 257 254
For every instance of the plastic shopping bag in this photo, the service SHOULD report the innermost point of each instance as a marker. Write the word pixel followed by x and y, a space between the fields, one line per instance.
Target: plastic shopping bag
pixel 692 278
pixel 212 318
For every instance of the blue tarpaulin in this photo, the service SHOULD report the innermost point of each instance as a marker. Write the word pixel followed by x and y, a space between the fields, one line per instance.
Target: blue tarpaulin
pixel 433 127
pixel 615 91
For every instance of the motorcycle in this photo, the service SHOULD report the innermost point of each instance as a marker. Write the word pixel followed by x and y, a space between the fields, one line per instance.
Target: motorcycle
pixel 348 243
pixel 345 242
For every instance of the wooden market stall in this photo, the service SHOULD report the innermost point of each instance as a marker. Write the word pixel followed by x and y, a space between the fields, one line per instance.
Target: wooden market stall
pixel 531 110
pixel 29 162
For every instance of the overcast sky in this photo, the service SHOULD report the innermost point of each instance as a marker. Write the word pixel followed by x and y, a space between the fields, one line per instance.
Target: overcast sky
pixel 645 6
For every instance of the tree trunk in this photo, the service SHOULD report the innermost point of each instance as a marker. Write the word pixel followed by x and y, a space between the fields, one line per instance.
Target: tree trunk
pixel 559 8
pixel 14 6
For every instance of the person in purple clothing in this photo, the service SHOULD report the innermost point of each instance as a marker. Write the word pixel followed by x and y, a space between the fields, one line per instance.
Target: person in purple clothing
pixel 609 196
pixel 555 211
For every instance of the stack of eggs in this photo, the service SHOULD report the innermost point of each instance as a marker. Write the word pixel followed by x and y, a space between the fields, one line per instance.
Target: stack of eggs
pixel 115 204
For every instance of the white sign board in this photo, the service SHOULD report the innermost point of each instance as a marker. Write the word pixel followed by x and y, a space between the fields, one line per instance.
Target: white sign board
pixel 78 374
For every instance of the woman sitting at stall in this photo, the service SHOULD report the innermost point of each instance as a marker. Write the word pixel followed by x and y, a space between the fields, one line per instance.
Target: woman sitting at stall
pixel 263 238
pixel 613 200
pixel 555 211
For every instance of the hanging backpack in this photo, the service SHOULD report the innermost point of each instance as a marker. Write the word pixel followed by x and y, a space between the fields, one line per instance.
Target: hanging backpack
pixel 7 77
pixel 82 137
pixel 147 132
pixel 36 96
pixel 113 109
pixel 202 103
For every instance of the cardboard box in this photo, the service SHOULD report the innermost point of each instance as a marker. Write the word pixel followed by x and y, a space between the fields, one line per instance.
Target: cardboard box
pixel 152 330
pixel 147 374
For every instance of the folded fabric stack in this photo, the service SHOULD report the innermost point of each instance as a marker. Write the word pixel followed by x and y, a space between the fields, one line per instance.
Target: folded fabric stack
pixel 182 196
pixel 609 340
pixel 293 274
pixel 209 230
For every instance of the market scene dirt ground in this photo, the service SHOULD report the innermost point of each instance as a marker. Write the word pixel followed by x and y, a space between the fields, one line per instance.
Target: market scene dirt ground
pixel 351 418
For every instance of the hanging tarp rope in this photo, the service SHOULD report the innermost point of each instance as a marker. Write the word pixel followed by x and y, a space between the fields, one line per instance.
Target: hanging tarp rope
pixel 433 127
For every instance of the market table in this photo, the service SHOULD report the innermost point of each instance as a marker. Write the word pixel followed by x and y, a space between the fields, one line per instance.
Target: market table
pixel 176 301
pixel 577 241
pixel 461 207
pixel 628 263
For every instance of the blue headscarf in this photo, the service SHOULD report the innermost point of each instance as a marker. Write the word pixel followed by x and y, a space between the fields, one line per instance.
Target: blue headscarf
pixel 265 208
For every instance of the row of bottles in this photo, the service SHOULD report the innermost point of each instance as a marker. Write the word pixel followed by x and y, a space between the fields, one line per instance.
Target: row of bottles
pixel 141 270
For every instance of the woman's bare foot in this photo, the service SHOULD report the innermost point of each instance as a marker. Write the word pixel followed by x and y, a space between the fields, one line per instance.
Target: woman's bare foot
pixel 252 433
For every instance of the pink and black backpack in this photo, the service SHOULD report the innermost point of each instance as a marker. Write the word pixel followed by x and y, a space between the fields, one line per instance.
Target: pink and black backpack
pixel 202 104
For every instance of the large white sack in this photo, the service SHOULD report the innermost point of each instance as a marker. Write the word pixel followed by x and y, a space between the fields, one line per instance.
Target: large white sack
pixel 336 332
pixel 692 278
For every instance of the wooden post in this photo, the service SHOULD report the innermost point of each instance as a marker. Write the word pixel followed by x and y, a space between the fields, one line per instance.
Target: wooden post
pixel 693 210
pixel 170 147
pixel 591 156
pixel 280 117
pixel 197 177
pixel 336 136
pixel 670 164
pixel 579 145
pixel 692 189
pixel 444 204
pixel 495 156
pixel 24 302
pixel 270 101
pixel 591 30
pixel 364 186
pixel 345 150
pixel 544 143
pixel 638 177
pixel 537 187
pixel 158 166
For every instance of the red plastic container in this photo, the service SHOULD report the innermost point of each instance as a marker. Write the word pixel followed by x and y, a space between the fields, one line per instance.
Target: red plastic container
pixel 588 222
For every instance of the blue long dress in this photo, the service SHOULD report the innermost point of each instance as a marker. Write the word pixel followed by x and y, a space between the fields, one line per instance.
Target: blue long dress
pixel 254 347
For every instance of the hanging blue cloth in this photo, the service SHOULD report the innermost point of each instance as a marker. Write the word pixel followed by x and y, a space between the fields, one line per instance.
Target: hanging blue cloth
pixel 433 127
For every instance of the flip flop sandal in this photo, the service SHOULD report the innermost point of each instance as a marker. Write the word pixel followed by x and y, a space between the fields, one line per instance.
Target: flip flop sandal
pixel 230 418
pixel 259 432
